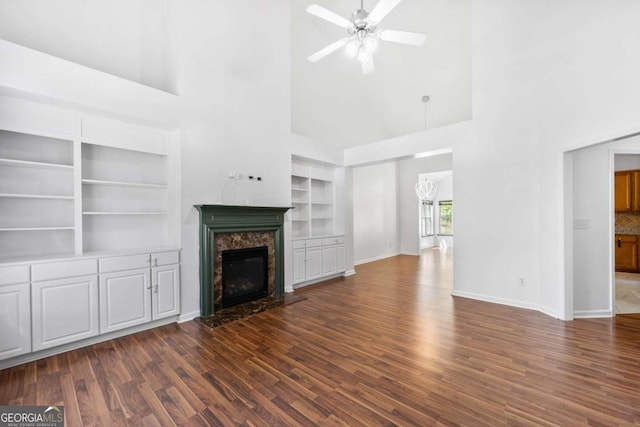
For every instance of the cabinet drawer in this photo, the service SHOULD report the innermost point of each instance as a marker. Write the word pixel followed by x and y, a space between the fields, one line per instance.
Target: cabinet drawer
pixel 332 240
pixel 63 269
pixel 298 244
pixel 14 274
pixel 120 263
pixel 312 243
pixel 165 258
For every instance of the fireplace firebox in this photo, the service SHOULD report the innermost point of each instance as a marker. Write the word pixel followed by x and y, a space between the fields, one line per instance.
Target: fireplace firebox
pixel 244 275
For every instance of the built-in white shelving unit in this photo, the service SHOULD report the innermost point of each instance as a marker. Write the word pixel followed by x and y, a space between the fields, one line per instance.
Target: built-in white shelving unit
pixel 312 196
pixel 36 194
pixel 88 228
pixel 74 183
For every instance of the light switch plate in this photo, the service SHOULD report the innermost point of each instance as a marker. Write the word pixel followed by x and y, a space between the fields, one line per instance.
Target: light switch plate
pixel 580 224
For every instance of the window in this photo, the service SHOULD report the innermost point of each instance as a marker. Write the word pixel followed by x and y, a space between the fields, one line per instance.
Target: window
pixel 426 218
pixel 445 208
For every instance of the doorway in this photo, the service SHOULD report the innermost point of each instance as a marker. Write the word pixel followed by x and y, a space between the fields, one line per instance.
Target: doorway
pixel 626 214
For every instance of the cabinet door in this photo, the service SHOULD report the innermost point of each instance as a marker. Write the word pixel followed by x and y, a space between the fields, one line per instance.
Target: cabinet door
pixel 340 258
pixel 125 299
pixel 298 265
pixel 64 311
pixel 165 296
pixel 623 191
pixel 328 260
pixel 635 191
pixel 313 266
pixel 626 253
pixel 15 320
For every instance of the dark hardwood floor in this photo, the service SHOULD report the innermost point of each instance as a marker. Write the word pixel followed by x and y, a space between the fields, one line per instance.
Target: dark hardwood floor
pixel 388 346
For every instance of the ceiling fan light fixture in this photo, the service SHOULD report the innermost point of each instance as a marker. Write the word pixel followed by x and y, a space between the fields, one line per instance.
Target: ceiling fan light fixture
pixel 371 43
pixel 363 35
pixel 364 55
pixel 351 49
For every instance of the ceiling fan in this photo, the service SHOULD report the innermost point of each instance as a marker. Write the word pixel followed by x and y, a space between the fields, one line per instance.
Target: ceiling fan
pixel 363 32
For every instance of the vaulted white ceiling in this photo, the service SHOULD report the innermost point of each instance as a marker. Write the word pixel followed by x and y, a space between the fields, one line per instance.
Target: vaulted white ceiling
pixel 334 103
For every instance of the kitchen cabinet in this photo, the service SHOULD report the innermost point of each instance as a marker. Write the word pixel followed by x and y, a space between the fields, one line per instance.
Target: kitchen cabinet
pixel 627 191
pixel 623 191
pixel 626 252
pixel 635 190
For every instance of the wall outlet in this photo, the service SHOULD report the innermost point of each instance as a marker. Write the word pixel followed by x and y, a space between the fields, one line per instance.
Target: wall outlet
pixel 233 175
pixel 522 281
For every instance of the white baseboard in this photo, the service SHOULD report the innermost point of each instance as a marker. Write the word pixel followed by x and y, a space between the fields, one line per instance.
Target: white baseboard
pixel 496 300
pixel 591 314
pixel 410 253
pixel 186 317
pixel 375 258
pixel 349 273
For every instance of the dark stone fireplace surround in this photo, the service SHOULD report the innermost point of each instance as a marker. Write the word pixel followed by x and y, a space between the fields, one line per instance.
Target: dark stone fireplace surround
pixel 226 227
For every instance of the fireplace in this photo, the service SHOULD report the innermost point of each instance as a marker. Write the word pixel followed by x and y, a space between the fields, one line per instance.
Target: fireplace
pixel 230 230
pixel 244 275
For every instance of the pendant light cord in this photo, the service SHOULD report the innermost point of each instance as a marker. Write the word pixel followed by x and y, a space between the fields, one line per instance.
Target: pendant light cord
pixel 425 100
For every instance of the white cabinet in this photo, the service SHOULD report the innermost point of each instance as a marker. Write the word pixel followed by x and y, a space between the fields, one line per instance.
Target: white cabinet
pixel 313 268
pixel 165 296
pixel 298 262
pixel 125 299
pixel 64 311
pixel 314 259
pixel 340 256
pixel 133 293
pixel 15 311
pixel 328 260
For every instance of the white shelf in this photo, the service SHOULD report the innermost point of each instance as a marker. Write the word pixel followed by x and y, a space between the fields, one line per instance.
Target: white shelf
pixel 124 213
pixel 299 189
pixel 122 183
pixel 36 228
pixel 34 196
pixel 321 203
pixel 25 163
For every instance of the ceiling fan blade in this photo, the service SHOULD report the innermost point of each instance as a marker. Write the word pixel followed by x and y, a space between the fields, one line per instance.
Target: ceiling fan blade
pixel 406 37
pixel 381 10
pixel 327 15
pixel 368 67
pixel 327 50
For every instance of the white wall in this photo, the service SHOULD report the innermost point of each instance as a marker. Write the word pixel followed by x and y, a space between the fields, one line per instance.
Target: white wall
pixel 624 162
pixel 375 226
pixel 236 114
pixel 126 38
pixel 592 247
